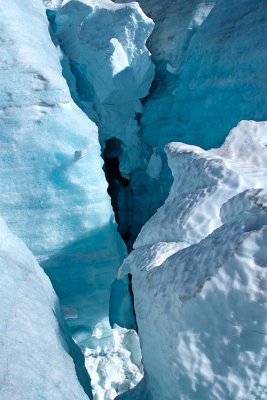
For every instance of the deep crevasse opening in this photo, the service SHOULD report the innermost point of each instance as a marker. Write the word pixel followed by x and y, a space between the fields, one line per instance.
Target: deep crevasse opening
pixel 114 361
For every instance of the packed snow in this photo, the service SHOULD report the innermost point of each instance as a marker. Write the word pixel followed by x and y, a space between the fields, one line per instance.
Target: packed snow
pixel 199 275
pixel 117 367
pixel 35 346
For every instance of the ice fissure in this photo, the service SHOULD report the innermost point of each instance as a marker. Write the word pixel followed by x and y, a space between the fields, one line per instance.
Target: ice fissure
pixel 109 72
pixel 54 197
pixel 88 105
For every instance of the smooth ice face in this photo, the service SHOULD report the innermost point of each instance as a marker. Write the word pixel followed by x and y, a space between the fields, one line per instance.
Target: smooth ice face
pixel 210 69
pixel 199 275
pixel 53 190
pixel 35 346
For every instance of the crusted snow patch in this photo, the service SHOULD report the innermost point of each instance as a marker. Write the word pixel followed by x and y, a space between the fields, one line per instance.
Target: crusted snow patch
pixel 116 367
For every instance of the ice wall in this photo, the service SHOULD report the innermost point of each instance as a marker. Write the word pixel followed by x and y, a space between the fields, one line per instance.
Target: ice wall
pixel 199 274
pixel 109 70
pixel 210 59
pixel 35 345
pixel 53 192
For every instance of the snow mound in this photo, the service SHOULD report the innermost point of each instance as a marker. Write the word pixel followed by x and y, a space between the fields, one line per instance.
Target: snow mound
pixel 114 368
pixel 200 279
pixel 35 346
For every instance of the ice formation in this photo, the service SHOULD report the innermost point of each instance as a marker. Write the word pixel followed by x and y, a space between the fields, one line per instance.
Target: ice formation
pixel 210 59
pixel 54 200
pixel 105 85
pixel 35 346
pixel 199 274
pixel 108 68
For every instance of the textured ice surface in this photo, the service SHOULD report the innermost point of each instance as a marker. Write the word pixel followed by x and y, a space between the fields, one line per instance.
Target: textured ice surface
pixel 108 68
pixel 117 367
pixel 105 45
pixel 35 346
pixel 200 278
pixel 53 190
pixel 210 58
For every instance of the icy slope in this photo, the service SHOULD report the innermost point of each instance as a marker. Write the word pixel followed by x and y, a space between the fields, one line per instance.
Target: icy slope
pixel 35 346
pixel 204 180
pixel 199 275
pixel 53 192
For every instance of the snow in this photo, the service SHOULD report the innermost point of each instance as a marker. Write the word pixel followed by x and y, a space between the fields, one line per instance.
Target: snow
pixel 115 368
pixel 199 275
pixel 35 346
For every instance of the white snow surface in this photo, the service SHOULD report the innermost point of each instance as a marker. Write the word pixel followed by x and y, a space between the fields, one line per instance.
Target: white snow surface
pixel 117 367
pixel 200 278
pixel 34 343
pixel 203 181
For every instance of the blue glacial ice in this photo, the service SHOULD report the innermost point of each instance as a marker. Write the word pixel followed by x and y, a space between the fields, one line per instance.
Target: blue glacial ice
pixel 53 189
pixel 89 101
pixel 109 70
pixel 210 59
pixel 37 352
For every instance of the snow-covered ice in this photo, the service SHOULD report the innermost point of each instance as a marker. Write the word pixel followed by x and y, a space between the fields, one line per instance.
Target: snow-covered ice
pixel 117 367
pixel 200 278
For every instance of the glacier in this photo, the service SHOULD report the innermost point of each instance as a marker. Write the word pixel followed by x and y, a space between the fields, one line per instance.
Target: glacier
pixel 37 352
pixel 199 274
pixel 114 121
